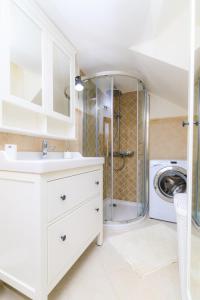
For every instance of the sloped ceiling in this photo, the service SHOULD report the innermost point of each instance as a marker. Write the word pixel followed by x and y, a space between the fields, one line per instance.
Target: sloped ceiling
pixel 149 38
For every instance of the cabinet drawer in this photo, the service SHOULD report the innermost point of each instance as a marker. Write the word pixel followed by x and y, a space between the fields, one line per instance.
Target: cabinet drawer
pixel 70 236
pixel 66 193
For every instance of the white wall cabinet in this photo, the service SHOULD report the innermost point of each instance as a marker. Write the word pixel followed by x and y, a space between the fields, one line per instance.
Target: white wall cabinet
pixel 47 221
pixel 37 95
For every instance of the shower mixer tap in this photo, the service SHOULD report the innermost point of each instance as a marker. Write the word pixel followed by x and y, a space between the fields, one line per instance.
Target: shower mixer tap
pixel 123 153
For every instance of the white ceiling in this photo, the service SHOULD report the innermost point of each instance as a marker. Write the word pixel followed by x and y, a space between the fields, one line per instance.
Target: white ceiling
pixel 149 38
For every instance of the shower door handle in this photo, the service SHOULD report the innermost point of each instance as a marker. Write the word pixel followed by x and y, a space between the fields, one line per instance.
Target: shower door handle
pixel 185 123
pixel 197 123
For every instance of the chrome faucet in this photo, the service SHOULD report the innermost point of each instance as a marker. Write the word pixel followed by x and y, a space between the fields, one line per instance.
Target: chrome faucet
pixel 44 148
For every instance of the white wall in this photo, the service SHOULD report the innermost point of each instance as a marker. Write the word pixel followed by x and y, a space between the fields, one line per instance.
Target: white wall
pixel 163 108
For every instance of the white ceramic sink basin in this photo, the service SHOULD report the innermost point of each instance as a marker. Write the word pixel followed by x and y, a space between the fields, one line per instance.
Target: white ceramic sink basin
pixel 32 162
pixel 33 156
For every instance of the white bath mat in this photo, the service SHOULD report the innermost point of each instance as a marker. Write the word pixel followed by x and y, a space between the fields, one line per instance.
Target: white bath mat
pixel 147 249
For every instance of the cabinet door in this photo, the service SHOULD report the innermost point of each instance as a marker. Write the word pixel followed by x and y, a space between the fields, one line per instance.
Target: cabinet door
pixel 69 237
pixel 25 57
pixel 37 92
pixel 61 82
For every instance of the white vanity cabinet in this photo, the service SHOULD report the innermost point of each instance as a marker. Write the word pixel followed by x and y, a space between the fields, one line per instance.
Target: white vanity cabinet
pixel 46 222
pixel 37 75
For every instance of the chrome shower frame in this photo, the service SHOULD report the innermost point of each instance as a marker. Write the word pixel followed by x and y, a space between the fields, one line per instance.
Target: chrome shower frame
pixel 146 151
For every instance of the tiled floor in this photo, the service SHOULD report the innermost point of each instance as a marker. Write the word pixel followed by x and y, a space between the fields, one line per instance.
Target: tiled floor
pixel 102 274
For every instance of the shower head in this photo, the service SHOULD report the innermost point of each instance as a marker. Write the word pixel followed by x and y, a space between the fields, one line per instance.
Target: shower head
pixel 116 92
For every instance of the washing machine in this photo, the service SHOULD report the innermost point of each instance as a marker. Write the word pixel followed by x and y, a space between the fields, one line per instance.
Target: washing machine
pixel 167 177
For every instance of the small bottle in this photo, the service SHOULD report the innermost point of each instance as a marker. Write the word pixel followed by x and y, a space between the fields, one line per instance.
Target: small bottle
pixel 11 151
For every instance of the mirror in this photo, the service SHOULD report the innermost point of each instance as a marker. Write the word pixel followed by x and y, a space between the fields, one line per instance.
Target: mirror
pixel 25 57
pixel 61 82
pixel 195 234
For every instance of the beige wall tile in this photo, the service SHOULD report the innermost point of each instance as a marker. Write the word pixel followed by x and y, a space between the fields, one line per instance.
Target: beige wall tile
pixel 168 139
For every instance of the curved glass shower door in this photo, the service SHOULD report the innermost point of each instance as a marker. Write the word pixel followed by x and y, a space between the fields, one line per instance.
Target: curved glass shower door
pixel 97 131
pixel 115 127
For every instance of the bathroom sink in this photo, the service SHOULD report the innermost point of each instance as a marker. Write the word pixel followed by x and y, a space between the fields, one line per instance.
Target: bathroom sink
pixel 50 156
pixel 32 162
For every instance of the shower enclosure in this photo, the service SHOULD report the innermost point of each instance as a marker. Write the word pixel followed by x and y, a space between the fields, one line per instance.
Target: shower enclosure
pixel 115 126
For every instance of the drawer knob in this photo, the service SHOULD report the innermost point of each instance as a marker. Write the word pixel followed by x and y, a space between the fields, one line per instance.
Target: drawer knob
pixel 63 197
pixel 97 209
pixel 97 182
pixel 63 237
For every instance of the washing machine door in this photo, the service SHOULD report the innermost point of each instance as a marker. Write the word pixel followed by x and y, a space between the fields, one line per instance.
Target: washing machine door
pixel 169 181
